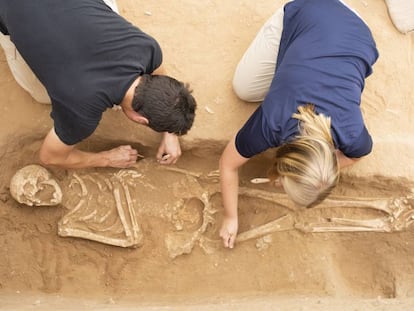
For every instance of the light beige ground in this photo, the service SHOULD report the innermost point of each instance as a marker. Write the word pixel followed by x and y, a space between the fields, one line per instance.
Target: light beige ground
pixel 202 42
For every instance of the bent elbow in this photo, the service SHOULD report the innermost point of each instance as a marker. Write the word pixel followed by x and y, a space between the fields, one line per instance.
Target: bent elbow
pixel 47 159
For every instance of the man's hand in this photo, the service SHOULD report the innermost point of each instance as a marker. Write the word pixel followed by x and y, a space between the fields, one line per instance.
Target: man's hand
pixel 169 150
pixel 121 157
pixel 228 231
pixel 56 153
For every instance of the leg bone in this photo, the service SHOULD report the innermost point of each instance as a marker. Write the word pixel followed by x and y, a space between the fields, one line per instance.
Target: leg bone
pixel 283 223
pixel 347 225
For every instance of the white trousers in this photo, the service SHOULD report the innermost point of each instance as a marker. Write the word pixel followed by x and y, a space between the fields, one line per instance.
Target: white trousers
pixel 22 72
pixel 255 71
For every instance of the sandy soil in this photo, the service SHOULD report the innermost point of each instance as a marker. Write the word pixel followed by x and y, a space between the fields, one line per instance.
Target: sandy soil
pixel 285 270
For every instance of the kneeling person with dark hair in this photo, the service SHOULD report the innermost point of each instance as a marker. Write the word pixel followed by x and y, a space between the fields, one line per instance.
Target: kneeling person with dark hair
pixel 88 59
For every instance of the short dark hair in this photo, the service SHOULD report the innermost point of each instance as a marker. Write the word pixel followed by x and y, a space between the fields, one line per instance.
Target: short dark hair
pixel 166 103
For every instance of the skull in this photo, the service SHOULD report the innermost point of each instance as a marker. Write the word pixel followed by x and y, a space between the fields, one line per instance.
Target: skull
pixel 34 185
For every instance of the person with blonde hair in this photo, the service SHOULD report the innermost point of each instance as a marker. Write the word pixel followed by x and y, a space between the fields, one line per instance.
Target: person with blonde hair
pixel 308 65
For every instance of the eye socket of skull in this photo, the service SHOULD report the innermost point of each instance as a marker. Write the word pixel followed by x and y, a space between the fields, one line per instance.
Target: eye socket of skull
pixel 34 185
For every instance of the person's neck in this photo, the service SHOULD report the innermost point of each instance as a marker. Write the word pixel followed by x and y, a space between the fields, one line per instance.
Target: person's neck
pixel 126 102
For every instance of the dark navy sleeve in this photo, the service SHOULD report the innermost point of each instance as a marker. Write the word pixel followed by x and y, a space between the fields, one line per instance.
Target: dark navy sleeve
pixel 3 29
pixel 156 57
pixel 253 137
pixel 360 147
pixel 70 127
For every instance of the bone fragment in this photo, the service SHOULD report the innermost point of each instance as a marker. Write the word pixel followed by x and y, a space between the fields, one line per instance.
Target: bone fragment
pixel 165 157
pixel 132 215
pixel 281 224
pixel 71 232
pixel 181 171
pixel 88 217
pixel 214 173
pixel 347 225
pixel 104 217
pixel 260 180
pixel 121 212
pixel 380 204
pixel 209 110
pixel 99 184
pixel 82 185
pixel 277 198
pixel 108 184
pixel 65 218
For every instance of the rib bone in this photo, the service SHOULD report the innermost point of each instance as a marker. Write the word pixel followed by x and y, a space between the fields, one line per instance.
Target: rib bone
pixel 94 225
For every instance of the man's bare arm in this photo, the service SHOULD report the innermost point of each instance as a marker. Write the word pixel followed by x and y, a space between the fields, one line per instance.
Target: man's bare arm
pixel 54 152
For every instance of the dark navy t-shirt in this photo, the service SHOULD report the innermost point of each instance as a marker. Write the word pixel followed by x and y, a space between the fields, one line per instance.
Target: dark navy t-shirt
pixel 86 55
pixel 325 54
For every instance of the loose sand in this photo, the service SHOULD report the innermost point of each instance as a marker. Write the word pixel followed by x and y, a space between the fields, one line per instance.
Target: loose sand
pixel 202 43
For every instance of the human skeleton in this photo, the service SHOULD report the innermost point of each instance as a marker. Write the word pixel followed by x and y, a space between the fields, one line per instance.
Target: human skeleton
pixel 105 207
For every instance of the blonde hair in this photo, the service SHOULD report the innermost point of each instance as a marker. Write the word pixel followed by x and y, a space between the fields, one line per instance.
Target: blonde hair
pixel 308 166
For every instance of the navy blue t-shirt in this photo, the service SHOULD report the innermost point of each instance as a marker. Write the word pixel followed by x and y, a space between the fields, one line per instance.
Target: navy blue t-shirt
pixel 326 52
pixel 86 55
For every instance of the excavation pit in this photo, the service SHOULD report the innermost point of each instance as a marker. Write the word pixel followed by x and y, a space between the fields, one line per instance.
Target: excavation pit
pixel 179 258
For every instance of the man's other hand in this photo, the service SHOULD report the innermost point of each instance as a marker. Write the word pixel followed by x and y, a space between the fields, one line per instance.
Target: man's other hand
pixel 169 150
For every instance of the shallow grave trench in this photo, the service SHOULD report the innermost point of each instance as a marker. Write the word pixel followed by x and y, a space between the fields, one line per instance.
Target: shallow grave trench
pixel 169 207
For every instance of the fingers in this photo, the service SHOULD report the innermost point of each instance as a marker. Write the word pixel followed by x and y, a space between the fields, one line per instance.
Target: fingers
pixel 124 156
pixel 232 239
pixel 159 155
pixel 228 239
pixel 164 159
pixel 125 147
pixel 129 154
pixel 168 158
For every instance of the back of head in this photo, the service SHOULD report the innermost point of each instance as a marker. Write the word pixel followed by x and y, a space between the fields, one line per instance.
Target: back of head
pixel 166 103
pixel 308 166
